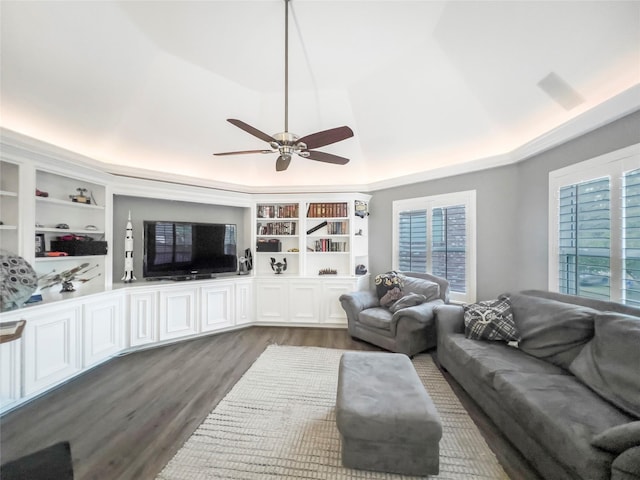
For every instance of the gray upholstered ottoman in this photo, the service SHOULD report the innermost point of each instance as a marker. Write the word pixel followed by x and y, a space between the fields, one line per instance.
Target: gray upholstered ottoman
pixel 386 419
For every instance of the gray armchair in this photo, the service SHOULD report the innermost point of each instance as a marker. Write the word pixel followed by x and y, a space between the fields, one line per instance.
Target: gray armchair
pixel 408 330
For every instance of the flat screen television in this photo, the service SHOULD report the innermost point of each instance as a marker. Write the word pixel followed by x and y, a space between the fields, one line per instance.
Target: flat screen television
pixel 187 249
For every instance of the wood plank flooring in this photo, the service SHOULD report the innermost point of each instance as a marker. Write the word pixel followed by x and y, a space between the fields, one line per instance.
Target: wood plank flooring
pixel 125 419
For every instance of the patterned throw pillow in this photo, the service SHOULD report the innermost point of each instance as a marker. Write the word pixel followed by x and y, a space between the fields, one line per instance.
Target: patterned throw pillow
pixel 388 281
pixel 490 320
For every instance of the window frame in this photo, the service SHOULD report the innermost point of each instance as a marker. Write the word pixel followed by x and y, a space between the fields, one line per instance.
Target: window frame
pixel 612 165
pixel 428 203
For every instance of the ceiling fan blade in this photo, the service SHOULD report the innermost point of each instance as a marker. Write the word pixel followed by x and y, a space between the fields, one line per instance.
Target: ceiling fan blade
pixel 326 137
pixel 253 131
pixel 241 152
pixel 283 163
pixel 326 157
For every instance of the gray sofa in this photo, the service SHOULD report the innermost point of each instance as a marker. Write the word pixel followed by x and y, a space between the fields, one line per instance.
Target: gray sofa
pixel 542 394
pixel 408 330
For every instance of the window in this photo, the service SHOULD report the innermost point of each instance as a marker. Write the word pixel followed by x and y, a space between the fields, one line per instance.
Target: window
pixel 437 235
pixel 594 230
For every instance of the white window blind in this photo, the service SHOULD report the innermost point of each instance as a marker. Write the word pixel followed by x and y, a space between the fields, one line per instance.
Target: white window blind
pixel 594 229
pixel 631 248
pixel 584 265
pixel 412 241
pixel 436 235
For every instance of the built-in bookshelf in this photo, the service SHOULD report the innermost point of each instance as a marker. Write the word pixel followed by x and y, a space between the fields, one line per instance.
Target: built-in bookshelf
pixel 9 207
pixel 321 242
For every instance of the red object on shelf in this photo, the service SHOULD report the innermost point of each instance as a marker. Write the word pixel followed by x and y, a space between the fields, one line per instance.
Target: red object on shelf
pixel 57 254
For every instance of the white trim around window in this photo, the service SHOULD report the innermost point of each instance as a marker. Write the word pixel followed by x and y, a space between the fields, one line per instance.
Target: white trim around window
pixel 428 204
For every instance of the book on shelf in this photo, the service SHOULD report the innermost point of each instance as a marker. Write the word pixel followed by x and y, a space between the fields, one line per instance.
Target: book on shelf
pixel 331 209
pixel 328 245
pixel 277 211
pixel 276 228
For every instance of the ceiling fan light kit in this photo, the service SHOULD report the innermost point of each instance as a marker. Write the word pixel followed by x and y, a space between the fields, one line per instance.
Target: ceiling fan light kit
pixel 287 144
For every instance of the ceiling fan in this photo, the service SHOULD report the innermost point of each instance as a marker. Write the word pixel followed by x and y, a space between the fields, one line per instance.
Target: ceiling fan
pixel 287 143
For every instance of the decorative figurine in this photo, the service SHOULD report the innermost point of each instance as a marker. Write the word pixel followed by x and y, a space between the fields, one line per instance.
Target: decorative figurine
pixel 278 267
pixel 81 197
pixel 66 278
pixel 128 276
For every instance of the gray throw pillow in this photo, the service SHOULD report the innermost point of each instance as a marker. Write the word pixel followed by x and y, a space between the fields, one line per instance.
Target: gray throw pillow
pixel 490 320
pixel 619 438
pixel 551 330
pixel 409 300
pixel 390 297
pixel 431 290
pixel 609 364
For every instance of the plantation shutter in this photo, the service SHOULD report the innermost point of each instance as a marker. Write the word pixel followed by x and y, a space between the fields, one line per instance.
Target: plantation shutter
pixel 449 245
pixel 631 238
pixel 585 239
pixel 412 241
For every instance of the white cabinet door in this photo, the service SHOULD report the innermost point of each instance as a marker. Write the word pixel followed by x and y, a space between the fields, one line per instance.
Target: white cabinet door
pixel 244 302
pixel 304 301
pixel 51 352
pixel 178 312
pixel 142 318
pixel 102 329
pixel 272 301
pixel 332 308
pixel 10 373
pixel 216 307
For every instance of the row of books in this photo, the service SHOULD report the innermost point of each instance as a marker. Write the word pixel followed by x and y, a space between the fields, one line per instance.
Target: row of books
pixel 316 210
pixel 328 245
pixel 278 211
pixel 276 228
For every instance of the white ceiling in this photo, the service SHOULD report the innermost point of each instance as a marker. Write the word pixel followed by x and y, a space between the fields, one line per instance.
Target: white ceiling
pixel 146 86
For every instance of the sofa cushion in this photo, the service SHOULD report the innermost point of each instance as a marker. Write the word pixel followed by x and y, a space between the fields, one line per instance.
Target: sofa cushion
pixel 409 300
pixel 483 359
pixel 563 414
pixel 490 320
pixel 609 364
pixel 376 317
pixel 619 438
pixel 552 330
pixel 431 290
pixel 626 465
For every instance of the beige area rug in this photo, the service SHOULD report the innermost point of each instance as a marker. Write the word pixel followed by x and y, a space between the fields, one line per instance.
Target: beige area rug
pixel 278 421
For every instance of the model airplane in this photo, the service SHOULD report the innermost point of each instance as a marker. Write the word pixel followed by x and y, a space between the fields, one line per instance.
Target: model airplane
pixel 66 278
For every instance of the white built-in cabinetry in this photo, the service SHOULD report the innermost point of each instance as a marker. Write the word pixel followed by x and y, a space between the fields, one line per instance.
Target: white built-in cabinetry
pixel 67 333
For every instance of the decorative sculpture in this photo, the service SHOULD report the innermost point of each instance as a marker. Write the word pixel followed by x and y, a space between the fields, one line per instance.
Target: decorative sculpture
pixel 128 253
pixel 18 280
pixel 66 278
pixel 278 267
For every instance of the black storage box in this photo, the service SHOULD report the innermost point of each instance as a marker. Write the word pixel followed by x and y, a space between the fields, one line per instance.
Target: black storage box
pixel 79 247
pixel 271 245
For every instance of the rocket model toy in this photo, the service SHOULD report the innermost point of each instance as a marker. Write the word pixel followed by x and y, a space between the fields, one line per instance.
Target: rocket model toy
pixel 128 253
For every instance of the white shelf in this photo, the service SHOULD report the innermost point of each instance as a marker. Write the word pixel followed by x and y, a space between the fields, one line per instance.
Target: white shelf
pixel 67 203
pixel 6 193
pixel 66 257
pixel 67 231
pixel 8 227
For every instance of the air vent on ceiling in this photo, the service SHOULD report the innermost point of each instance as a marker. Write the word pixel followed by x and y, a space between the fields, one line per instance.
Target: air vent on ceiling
pixel 560 91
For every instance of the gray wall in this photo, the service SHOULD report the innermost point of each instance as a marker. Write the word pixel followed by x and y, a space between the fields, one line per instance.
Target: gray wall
pixel 511 210
pixel 155 209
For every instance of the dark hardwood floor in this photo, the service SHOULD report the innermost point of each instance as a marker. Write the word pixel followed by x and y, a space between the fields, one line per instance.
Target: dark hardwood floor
pixel 125 419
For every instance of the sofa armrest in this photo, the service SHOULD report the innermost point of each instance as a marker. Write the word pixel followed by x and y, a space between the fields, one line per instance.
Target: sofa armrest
pixel 449 319
pixel 355 302
pixel 422 314
pixel 626 466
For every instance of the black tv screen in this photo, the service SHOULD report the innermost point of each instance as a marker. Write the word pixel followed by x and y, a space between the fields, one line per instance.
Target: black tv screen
pixel 186 249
